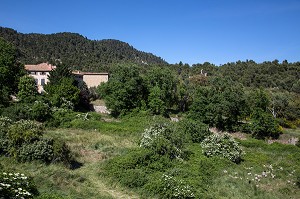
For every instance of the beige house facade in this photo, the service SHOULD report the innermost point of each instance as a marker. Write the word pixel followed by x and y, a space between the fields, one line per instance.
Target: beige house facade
pixel 91 79
pixel 40 74
pixel 41 71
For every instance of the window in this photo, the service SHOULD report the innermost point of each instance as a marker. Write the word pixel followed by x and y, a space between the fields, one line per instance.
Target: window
pixel 42 82
pixel 36 81
pixel 33 73
pixel 42 73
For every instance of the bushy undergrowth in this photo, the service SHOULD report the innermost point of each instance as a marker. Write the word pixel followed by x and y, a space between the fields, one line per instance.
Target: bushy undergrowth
pixel 161 168
pixel 164 140
pixel 197 131
pixel 16 185
pixel 23 140
pixel 223 146
pixel 66 118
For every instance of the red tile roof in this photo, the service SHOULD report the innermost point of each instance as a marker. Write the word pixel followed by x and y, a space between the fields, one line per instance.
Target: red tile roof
pixel 40 67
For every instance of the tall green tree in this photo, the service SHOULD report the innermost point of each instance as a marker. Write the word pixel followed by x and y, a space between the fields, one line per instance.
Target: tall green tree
pixel 10 71
pixel 124 91
pixel 61 71
pixel 166 81
pixel 221 104
pixel 27 89
pixel 155 101
pixel 62 88
pixel 63 94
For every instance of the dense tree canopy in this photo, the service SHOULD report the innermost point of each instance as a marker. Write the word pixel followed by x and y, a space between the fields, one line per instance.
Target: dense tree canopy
pixel 124 91
pixel 76 51
pixel 10 71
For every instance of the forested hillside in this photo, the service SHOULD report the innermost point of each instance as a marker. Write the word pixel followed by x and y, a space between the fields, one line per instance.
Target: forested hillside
pixel 75 50
pixel 268 74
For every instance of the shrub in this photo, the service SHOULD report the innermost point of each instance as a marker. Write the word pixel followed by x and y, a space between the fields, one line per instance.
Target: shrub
pixel 61 117
pixel 264 125
pixel 40 111
pixel 133 178
pixel 61 152
pixel 4 145
pixel 197 131
pixel 17 111
pixel 173 187
pixel 16 185
pixel 223 146
pixel 163 140
pixel 38 150
pixel 5 122
pixel 24 131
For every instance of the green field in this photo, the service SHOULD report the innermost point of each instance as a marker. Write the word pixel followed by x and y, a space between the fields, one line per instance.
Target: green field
pixel 267 170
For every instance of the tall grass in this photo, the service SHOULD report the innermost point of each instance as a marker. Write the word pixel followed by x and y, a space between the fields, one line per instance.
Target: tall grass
pixel 97 143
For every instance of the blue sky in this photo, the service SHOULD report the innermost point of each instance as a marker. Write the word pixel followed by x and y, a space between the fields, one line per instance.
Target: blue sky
pixel 191 31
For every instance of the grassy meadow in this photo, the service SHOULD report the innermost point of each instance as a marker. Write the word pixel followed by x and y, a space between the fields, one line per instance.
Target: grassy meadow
pixel 267 170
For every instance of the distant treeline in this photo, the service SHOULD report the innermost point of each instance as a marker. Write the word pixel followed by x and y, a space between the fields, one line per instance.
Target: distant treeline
pixel 75 50
pixel 268 74
pixel 80 53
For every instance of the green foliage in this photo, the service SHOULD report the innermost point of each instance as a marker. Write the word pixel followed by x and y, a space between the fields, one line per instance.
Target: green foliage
pixel 84 95
pixel 161 84
pixel 5 122
pixel 63 94
pixel 156 102
pixel 23 140
pixel 10 71
pixel 197 131
pixel 24 131
pixel 76 51
pixel 173 187
pixel 296 87
pixel 40 111
pixel 221 105
pixel 16 111
pixel 45 150
pixel 27 89
pixel 59 73
pixel 124 91
pixel 164 140
pixel 61 117
pixel 223 146
pixel 259 99
pixel 267 74
pixel 61 152
pixel 4 97
pixel 36 150
pixel 264 125
pixel 16 185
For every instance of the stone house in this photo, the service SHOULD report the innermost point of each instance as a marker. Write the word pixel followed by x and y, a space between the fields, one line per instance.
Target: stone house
pixel 41 71
pixel 40 74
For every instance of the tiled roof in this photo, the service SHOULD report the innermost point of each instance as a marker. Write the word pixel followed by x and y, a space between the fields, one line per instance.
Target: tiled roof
pixel 40 67
pixel 77 72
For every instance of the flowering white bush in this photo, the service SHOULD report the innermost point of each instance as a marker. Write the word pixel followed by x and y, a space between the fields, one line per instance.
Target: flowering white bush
pixel 151 134
pixel 5 122
pixel 222 145
pixel 176 188
pixel 16 185
pixel 163 140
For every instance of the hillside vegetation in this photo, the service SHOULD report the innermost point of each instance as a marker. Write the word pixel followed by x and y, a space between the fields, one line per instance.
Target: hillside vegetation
pixel 75 50
pixel 173 131
pixel 113 165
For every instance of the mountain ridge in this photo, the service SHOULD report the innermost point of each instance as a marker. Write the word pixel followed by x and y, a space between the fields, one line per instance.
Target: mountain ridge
pixel 75 50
